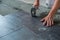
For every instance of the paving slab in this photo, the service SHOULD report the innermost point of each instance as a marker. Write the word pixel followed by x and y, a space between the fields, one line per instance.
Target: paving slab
pixel 6 27
pixel 3 30
pixel 22 34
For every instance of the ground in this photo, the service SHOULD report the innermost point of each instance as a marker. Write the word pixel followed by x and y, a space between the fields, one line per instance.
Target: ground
pixel 16 22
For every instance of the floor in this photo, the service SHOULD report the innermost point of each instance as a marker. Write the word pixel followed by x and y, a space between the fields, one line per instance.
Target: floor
pixel 16 23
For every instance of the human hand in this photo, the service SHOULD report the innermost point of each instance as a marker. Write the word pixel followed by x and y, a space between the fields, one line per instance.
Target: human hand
pixel 48 20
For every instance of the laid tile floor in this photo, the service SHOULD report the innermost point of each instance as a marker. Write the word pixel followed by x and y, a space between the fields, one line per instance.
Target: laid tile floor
pixel 21 26
pixel 17 24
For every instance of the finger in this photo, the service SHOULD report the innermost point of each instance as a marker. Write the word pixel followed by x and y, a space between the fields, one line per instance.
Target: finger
pixel 42 20
pixel 52 22
pixel 44 23
pixel 47 23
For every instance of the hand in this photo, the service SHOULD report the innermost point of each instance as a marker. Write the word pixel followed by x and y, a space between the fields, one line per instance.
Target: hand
pixel 48 21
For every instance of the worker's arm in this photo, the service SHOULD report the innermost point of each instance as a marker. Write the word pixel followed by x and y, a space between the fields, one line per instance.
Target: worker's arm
pixel 48 20
pixel 36 3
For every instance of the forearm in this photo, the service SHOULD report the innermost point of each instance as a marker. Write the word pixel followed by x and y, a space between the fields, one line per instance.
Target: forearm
pixel 36 3
pixel 36 0
pixel 54 7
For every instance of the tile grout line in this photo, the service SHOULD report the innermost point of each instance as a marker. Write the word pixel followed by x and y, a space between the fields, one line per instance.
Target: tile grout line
pixel 11 32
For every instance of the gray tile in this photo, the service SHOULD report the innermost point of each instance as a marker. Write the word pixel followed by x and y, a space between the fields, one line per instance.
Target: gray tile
pixel 6 27
pixel 22 34
pixel 3 30
pixel 11 24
